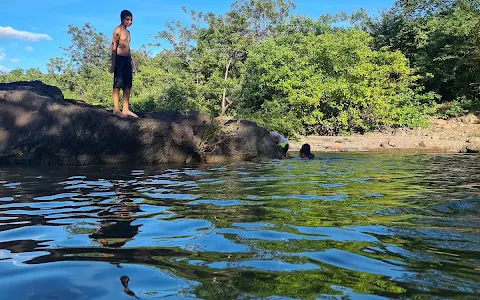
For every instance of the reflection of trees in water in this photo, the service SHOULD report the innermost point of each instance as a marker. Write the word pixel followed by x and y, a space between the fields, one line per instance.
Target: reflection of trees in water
pixel 452 191
pixel 21 246
pixel 393 194
pixel 230 283
pixel 397 194
pixel 297 193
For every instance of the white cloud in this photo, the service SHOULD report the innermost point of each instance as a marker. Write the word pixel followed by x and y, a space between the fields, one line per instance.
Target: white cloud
pixel 2 56
pixel 4 69
pixel 29 48
pixel 15 60
pixel 9 32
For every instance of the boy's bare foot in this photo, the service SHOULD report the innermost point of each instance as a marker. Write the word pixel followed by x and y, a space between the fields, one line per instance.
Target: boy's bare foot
pixel 119 113
pixel 130 113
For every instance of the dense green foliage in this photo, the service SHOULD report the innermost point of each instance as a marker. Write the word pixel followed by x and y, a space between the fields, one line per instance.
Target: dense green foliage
pixel 330 83
pixel 292 73
pixel 441 39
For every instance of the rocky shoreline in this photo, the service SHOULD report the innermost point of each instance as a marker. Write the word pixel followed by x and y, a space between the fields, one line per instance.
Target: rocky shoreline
pixel 459 135
pixel 39 127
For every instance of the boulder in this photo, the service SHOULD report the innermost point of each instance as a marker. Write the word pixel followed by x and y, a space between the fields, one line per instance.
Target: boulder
pixel 474 140
pixel 473 148
pixel 37 126
pixel 469 119
pixel 336 146
pixel 392 142
pixel 36 86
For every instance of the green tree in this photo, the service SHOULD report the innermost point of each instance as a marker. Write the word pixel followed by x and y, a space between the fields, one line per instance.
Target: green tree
pixel 222 44
pixel 248 22
pixel 83 70
pixel 440 38
pixel 329 84
pixel 23 75
pixel 291 73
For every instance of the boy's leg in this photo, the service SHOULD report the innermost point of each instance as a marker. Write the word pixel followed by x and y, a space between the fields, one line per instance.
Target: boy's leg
pixel 126 99
pixel 116 109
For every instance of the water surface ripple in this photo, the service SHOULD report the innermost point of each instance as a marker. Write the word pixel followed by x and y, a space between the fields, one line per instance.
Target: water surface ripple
pixel 360 226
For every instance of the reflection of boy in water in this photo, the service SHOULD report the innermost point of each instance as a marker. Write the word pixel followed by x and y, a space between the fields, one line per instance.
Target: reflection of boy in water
pixel 117 225
pixel 124 280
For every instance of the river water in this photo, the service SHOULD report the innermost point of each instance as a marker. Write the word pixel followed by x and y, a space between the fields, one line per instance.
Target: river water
pixel 356 226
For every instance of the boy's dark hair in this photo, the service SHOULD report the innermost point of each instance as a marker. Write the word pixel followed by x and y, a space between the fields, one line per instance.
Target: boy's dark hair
pixel 305 149
pixel 125 13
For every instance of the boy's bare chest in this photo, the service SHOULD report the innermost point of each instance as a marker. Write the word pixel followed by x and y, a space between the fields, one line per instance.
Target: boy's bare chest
pixel 125 36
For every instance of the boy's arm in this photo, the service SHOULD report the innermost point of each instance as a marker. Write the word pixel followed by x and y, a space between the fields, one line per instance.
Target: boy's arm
pixel 113 55
pixel 134 65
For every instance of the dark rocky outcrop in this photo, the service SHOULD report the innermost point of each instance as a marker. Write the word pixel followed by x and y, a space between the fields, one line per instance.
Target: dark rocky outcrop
pixel 37 87
pixel 37 126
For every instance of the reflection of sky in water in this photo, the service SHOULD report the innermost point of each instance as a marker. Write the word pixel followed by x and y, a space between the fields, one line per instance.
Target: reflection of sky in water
pixel 359 226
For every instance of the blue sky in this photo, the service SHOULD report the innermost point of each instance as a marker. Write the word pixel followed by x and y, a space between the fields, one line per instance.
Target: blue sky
pixel 32 31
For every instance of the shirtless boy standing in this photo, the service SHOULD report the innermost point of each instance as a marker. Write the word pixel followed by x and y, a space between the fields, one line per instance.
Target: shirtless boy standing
pixel 122 65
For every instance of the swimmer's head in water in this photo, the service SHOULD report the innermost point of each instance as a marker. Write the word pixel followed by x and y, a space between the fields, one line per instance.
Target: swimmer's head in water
pixel 305 149
pixel 126 17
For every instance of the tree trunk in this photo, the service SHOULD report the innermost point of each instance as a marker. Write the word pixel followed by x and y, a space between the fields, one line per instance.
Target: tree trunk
pixel 224 104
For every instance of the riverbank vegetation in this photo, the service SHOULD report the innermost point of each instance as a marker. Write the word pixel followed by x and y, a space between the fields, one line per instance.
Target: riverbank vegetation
pixel 263 62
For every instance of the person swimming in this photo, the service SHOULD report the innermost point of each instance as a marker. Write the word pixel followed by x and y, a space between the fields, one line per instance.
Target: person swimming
pixel 305 152
pixel 281 141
